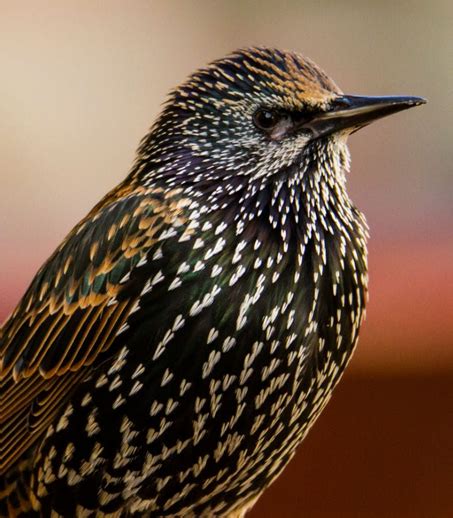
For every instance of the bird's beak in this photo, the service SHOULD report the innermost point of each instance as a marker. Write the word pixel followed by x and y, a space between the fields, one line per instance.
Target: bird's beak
pixel 348 113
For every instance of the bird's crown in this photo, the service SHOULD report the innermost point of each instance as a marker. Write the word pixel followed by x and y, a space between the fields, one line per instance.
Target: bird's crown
pixel 258 75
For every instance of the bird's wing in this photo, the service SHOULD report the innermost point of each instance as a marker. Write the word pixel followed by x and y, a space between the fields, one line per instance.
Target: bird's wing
pixel 74 308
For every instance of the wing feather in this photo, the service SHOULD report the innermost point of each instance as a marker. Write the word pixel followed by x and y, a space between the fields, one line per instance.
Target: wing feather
pixel 73 310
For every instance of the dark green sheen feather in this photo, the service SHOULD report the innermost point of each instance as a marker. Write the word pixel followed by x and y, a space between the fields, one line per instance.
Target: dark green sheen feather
pixel 175 350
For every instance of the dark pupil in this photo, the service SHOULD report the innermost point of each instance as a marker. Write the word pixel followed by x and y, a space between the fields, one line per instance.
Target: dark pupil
pixel 266 119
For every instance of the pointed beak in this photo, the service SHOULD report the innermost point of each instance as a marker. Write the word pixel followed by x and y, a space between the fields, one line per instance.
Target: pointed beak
pixel 348 113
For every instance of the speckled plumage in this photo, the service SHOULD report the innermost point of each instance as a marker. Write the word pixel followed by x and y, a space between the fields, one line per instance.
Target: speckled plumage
pixel 175 349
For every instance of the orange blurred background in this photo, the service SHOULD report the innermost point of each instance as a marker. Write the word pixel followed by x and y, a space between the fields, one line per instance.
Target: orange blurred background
pixel 82 81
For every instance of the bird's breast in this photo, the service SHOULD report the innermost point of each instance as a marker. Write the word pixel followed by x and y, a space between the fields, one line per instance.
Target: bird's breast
pixel 233 347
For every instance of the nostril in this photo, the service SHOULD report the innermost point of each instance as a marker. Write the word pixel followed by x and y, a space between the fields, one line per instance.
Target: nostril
pixel 340 103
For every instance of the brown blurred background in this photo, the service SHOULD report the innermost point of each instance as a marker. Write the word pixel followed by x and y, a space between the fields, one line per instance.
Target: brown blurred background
pixel 80 82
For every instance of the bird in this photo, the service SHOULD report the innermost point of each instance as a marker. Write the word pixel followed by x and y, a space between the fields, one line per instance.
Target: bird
pixel 175 349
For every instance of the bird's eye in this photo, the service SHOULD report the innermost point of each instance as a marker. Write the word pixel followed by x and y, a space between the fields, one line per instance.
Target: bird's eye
pixel 266 119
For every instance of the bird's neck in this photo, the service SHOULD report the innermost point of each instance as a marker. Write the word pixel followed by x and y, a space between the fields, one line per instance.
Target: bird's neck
pixel 295 205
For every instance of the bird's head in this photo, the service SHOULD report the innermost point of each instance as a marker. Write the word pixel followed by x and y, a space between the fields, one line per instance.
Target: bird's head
pixel 256 113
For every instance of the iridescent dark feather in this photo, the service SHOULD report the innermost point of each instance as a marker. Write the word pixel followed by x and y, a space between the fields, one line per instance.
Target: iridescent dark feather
pixel 75 306
pixel 175 349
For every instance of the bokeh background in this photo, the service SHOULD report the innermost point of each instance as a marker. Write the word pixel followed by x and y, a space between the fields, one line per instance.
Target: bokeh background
pixel 80 82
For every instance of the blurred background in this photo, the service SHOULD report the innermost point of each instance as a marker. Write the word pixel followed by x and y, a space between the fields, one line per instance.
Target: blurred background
pixel 82 81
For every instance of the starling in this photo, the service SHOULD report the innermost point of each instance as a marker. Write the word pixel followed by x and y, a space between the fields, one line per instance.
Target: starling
pixel 174 350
